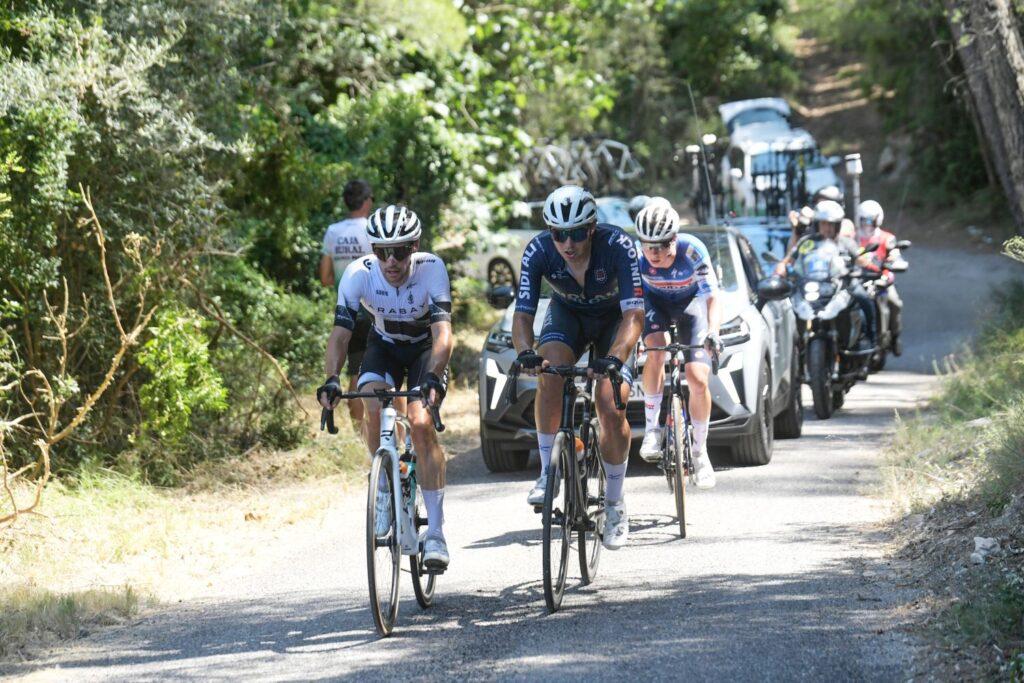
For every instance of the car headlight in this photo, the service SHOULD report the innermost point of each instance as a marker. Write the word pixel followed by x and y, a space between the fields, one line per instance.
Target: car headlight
pixel 499 340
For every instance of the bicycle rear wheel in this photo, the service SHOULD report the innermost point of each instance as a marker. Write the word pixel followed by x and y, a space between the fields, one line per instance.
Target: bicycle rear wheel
pixel 589 536
pixel 680 445
pixel 422 583
pixel 383 554
pixel 557 515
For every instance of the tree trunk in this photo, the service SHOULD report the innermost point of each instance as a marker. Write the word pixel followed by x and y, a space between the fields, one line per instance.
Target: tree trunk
pixel 992 54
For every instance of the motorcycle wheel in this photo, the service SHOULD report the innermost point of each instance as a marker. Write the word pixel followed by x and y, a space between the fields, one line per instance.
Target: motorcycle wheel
pixel 821 378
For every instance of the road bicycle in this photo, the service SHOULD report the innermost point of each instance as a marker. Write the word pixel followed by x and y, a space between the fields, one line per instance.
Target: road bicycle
pixel 677 446
pixel 574 501
pixel 395 474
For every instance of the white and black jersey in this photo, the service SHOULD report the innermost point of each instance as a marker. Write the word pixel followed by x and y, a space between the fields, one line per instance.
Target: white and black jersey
pixel 401 314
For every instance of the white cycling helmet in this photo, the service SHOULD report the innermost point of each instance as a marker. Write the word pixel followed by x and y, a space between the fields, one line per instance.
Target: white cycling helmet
pixel 568 207
pixel 393 224
pixel 829 192
pixel 829 211
pixel 658 222
pixel 871 211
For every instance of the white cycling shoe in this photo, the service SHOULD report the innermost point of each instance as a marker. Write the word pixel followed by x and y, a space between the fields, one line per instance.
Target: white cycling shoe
pixel 435 553
pixel 616 526
pixel 382 521
pixel 650 449
pixel 703 472
pixel 536 496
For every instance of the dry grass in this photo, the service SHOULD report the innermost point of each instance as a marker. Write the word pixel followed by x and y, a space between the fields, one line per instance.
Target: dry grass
pixel 104 539
pixel 31 617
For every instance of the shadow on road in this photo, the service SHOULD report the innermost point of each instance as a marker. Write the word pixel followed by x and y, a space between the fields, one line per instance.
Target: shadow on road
pixel 719 626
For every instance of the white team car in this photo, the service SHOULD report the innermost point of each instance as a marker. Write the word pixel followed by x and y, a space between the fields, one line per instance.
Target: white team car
pixel 755 396
pixel 497 261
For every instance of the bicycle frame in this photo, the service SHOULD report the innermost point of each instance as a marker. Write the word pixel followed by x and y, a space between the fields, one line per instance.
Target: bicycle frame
pixel 389 418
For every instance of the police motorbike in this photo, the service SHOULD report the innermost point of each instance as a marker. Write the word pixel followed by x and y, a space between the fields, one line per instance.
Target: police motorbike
pixel 831 324
pixel 889 327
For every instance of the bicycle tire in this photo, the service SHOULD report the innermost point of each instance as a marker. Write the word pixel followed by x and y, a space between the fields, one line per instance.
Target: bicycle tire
pixel 680 446
pixel 383 598
pixel 557 522
pixel 589 540
pixel 424 590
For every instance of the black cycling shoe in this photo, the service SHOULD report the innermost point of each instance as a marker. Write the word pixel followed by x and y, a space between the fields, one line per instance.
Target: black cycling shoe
pixel 897 345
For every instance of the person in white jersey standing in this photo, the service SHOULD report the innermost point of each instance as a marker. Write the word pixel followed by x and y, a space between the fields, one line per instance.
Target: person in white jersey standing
pixel 344 242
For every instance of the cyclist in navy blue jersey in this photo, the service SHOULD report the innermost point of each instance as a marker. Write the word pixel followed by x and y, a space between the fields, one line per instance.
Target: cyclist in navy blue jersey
pixel 680 289
pixel 597 297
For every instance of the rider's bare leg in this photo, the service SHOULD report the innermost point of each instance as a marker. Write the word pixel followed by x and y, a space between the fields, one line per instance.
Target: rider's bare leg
pixel 614 437
pixel 700 402
pixel 654 378
pixel 548 405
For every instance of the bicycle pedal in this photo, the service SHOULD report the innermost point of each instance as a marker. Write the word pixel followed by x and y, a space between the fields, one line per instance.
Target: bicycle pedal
pixel 538 509
pixel 433 571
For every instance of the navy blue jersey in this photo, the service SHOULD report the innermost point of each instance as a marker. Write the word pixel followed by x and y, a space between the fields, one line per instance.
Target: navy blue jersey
pixel 613 274
pixel 690 275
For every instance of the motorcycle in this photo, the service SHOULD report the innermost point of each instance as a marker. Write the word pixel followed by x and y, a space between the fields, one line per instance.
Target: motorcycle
pixel 889 327
pixel 832 326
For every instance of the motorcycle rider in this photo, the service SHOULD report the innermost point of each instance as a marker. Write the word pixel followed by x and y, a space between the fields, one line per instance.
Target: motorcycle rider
pixel 829 217
pixel 869 232
pixel 801 220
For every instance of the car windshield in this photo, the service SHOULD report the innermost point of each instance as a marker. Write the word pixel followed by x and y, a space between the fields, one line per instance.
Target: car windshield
pixel 718 244
pixel 755 116
pixel 614 211
pixel 777 162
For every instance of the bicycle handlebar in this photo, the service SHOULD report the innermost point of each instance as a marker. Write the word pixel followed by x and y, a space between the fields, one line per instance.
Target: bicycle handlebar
pixel 569 371
pixel 327 414
pixel 676 348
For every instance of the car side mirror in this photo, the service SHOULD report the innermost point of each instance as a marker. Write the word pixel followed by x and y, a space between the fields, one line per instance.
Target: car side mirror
pixel 774 288
pixel 501 297
pixel 904 244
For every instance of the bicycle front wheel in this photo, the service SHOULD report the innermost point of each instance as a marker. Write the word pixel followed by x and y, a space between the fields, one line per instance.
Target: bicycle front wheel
pixel 557 525
pixel 589 535
pixel 679 456
pixel 383 553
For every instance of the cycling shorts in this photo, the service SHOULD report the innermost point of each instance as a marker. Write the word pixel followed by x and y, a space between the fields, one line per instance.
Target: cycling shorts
pixel 577 330
pixel 691 325
pixel 393 362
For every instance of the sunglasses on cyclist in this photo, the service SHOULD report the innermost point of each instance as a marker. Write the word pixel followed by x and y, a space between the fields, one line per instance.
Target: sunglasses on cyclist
pixel 400 252
pixel 657 246
pixel 576 234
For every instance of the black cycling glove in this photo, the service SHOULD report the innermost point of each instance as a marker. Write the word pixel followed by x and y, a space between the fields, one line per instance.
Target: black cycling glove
pixel 331 389
pixel 436 383
pixel 713 343
pixel 529 359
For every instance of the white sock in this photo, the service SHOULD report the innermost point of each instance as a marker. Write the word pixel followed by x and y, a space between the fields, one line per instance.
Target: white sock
pixel 544 444
pixel 652 409
pixel 616 477
pixel 434 500
pixel 700 436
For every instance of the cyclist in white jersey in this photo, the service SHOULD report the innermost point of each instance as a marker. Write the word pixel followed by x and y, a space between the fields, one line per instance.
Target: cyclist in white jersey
pixel 344 242
pixel 409 297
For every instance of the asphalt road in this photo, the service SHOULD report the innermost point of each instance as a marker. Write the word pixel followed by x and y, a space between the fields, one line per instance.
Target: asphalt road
pixel 783 575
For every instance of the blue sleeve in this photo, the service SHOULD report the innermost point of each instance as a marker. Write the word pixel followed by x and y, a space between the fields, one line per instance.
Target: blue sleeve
pixel 631 292
pixel 530 273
